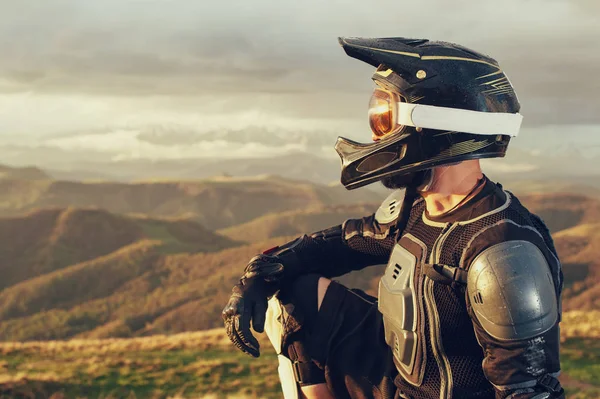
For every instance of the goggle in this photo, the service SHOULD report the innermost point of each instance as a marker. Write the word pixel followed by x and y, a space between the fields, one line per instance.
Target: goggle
pixel 383 112
pixel 389 113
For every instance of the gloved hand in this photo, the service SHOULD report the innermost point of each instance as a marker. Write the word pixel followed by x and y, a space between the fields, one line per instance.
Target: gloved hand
pixel 249 302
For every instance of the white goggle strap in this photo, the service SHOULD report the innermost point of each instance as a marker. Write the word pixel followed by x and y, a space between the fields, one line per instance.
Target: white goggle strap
pixel 459 120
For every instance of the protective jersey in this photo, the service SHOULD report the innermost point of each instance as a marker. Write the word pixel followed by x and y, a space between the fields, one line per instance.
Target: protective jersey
pixel 452 348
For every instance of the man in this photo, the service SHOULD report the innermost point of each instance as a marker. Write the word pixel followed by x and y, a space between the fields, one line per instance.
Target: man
pixel 469 304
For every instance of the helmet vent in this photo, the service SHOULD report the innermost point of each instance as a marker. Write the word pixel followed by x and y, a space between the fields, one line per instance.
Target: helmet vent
pixel 396 344
pixel 397 270
pixel 393 207
pixel 478 298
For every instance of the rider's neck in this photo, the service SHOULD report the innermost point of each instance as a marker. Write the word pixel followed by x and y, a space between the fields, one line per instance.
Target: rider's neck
pixel 451 185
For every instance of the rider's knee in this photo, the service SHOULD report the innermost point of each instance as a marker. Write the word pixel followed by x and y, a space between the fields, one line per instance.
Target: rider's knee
pixel 290 315
pixel 322 290
pixel 295 305
pixel 317 391
pixel 306 294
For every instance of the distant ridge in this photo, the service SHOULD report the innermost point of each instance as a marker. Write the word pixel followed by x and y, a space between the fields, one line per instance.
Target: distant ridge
pixel 22 173
pixel 131 259
pixel 216 203
pixel 579 251
pixel 298 222
pixel 563 210
pixel 136 290
pixel 47 240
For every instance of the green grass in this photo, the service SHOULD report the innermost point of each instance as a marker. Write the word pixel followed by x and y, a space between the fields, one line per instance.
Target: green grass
pixel 580 360
pixel 192 365
pixel 150 368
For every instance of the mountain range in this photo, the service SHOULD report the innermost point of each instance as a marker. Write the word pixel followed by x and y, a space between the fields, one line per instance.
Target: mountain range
pixel 120 260
pixel 216 202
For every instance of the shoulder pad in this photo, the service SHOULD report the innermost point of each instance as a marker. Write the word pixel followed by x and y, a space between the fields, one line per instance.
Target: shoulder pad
pixel 390 208
pixel 511 291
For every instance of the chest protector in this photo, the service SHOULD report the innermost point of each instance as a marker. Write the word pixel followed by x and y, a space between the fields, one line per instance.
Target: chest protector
pixel 398 298
pixel 398 304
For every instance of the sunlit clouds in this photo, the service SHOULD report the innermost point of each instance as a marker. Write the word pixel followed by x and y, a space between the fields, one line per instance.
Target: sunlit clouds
pixel 85 68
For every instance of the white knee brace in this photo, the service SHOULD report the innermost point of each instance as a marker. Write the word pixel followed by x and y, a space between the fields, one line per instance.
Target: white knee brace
pixel 274 330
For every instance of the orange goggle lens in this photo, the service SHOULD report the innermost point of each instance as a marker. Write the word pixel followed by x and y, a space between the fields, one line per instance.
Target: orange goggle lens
pixel 382 112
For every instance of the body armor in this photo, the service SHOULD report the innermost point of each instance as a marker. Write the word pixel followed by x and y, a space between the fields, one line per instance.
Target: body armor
pixel 511 291
pixel 449 333
pixel 398 304
pixel 429 314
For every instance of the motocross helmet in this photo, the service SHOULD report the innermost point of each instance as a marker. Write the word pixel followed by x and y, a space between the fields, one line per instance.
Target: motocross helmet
pixel 436 103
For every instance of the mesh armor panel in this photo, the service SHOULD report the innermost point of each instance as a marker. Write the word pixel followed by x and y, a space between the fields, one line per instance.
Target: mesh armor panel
pixel 418 228
pixel 461 236
pixel 458 337
pixel 430 387
pixel 464 354
pixel 368 245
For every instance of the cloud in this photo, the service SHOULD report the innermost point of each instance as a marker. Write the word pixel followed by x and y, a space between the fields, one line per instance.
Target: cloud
pixel 87 64
pixel 30 116
pixel 259 41
pixel 132 144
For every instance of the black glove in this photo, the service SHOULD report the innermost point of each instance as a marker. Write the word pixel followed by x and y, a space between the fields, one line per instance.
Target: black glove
pixel 249 302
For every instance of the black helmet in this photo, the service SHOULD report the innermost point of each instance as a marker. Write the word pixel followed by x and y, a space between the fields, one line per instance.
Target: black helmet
pixel 437 103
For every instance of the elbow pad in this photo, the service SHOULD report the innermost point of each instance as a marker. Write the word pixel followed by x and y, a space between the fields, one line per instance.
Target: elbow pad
pixel 379 226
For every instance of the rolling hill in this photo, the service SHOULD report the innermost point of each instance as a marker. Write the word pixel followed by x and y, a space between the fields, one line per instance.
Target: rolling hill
pixel 586 186
pixel 139 262
pixel 579 251
pixel 23 173
pixel 215 203
pixel 140 288
pixel 47 240
pixel 56 259
pixel 562 211
pixel 559 210
pixel 144 286
pixel 296 222
pixel 135 290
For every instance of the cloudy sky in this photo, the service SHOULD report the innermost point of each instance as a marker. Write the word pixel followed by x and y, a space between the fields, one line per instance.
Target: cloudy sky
pixel 99 75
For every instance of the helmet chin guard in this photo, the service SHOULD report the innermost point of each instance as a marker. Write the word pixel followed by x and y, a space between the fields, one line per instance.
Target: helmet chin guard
pixel 450 103
pixel 363 164
pixel 411 152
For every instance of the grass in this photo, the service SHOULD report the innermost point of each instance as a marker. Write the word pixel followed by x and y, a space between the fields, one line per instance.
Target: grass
pixel 205 365
pixel 579 358
pixel 189 365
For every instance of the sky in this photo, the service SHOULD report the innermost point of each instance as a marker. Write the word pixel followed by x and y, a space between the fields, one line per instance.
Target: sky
pixel 100 75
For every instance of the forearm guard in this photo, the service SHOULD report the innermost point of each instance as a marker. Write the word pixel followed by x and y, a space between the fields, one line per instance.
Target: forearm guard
pixel 353 245
pixel 338 250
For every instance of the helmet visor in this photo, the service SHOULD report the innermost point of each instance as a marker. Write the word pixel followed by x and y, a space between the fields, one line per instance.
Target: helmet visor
pixel 383 112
